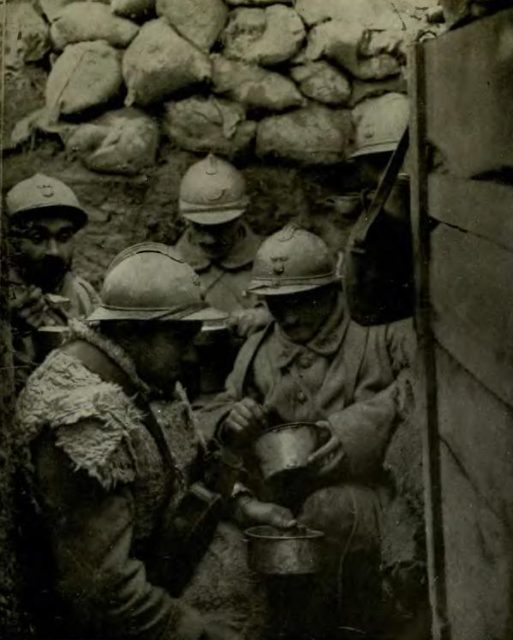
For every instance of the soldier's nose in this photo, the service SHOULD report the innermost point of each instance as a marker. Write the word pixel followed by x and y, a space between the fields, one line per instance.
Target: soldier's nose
pixel 52 248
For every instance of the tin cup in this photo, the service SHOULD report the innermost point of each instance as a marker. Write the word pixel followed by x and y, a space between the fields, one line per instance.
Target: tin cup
pixel 285 448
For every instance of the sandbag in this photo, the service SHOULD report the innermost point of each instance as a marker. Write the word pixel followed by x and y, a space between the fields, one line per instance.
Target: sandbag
pixel 253 86
pixel 123 141
pixel 159 62
pixel 83 21
pixel 313 135
pixel 26 35
pixel 209 124
pixel 87 74
pixel 265 36
pixel 134 9
pixel 459 11
pixel 322 82
pixel 200 21
pixel 52 8
pixel 347 44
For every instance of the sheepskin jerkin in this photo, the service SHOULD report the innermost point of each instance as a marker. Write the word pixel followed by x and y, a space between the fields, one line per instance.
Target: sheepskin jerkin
pixel 101 429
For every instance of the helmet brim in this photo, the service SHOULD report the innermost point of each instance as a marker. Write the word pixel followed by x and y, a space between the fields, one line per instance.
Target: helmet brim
pixel 77 216
pixel 213 217
pixel 287 290
pixel 103 314
pixel 371 149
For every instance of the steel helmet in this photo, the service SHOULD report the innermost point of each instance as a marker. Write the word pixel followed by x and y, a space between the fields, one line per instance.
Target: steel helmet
pixel 380 122
pixel 291 261
pixel 150 281
pixel 39 193
pixel 212 191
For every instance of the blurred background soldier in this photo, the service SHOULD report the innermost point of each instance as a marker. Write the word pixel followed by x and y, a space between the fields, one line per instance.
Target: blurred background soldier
pixel 221 247
pixel 44 216
pixel 314 364
pixel 115 477
pixel 379 259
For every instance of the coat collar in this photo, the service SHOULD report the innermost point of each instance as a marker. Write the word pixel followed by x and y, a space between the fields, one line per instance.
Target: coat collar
pixel 325 343
pixel 241 255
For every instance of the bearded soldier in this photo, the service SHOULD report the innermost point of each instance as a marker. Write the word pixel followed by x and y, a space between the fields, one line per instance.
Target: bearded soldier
pixel 44 217
pixel 115 466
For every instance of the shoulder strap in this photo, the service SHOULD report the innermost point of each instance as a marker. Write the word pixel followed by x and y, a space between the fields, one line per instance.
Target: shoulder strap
pixel 382 193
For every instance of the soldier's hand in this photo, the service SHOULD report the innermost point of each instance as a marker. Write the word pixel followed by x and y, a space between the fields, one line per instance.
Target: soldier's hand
pixel 30 308
pixel 329 458
pixel 249 511
pixel 246 419
pixel 247 321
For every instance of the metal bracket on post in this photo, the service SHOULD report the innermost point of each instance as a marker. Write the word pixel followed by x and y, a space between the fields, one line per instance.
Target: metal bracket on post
pixel 428 411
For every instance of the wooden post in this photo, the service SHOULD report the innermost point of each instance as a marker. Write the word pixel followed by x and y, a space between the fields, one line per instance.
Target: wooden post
pixel 428 410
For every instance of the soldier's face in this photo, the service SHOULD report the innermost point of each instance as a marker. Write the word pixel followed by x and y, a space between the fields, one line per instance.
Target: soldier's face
pixel 165 354
pixel 301 315
pixel 216 240
pixel 43 250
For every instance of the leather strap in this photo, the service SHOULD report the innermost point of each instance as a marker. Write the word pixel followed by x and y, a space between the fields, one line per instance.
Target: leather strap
pixel 382 193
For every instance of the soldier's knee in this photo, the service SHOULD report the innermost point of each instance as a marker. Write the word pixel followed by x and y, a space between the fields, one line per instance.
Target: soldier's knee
pixel 345 513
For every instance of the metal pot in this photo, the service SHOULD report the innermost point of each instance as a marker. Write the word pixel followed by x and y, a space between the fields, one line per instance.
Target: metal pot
pixel 286 447
pixel 278 552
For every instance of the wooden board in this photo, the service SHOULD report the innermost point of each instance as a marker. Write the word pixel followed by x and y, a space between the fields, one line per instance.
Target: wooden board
pixel 472 299
pixel 483 208
pixel 469 73
pixel 477 476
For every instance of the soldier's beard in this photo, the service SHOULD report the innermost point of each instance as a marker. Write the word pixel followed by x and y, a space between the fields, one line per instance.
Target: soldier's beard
pixel 47 273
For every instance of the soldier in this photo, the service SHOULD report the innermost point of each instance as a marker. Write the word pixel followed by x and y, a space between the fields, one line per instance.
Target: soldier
pixel 44 216
pixel 314 364
pixel 110 479
pixel 221 247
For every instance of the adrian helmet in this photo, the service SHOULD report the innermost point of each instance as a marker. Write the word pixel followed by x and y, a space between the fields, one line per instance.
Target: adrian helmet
pixel 150 281
pixel 212 191
pixel 291 261
pixel 36 195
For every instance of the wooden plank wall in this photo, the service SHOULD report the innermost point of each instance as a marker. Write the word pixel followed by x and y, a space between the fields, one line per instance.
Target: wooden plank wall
pixel 469 124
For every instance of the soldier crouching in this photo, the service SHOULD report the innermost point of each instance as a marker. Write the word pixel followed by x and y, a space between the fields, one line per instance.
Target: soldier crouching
pixel 313 364
pixel 115 468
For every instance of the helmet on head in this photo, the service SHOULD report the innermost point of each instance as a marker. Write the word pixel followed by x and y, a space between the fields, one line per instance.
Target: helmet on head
pixel 212 191
pixel 380 122
pixel 150 281
pixel 36 195
pixel 292 260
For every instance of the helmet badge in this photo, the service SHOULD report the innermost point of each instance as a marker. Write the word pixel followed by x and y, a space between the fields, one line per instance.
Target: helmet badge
pixel 279 264
pixel 47 190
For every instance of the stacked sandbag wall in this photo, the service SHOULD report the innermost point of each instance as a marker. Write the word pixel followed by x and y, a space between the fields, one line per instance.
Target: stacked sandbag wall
pixel 120 98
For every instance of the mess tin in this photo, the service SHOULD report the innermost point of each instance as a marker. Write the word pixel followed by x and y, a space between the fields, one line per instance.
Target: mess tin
pixel 286 447
pixel 297 551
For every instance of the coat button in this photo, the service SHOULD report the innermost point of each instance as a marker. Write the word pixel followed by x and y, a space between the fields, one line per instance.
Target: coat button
pixel 305 361
pixel 301 396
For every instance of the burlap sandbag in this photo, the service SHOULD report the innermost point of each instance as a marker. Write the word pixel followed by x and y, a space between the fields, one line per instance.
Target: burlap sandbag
pixel 134 9
pixel 82 21
pixel 85 75
pixel 200 21
pixel 159 62
pixel 124 141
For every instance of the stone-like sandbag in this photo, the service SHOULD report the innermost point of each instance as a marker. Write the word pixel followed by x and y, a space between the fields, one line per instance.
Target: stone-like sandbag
pixel 26 35
pixel 159 62
pixel 253 86
pixel 133 9
pixel 209 124
pixel 313 135
pixel 322 82
pixel 200 21
pixel 342 43
pixel 84 21
pixel 377 14
pixel 85 75
pixel 265 36
pixel 123 142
